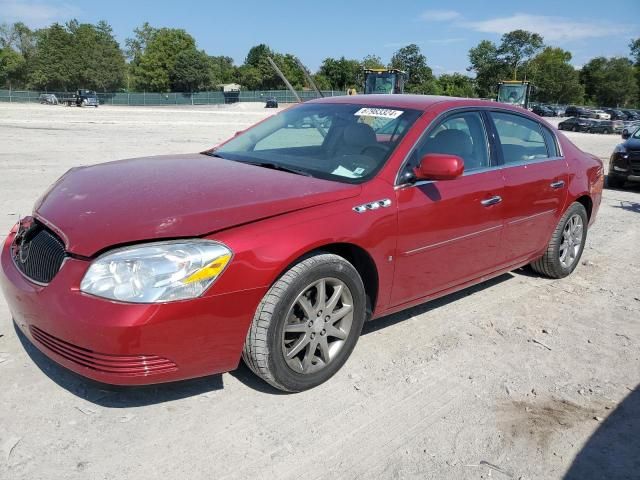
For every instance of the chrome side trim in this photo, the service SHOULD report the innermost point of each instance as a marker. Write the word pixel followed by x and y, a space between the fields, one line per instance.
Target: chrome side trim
pixel 520 220
pixel 376 204
pixel 451 240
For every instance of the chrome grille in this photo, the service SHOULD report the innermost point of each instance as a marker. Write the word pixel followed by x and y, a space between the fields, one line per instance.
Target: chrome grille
pixel 38 252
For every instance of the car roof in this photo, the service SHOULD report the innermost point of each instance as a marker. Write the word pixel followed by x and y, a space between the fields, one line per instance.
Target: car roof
pixel 418 102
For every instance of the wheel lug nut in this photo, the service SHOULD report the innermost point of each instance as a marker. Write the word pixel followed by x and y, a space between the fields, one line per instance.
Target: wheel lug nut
pixel 320 313
pixel 313 335
pixel 310 324
pixel 327 318
pixel 323 332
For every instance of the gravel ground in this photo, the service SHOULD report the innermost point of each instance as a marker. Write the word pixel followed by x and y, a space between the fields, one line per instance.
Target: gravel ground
pixel 519 377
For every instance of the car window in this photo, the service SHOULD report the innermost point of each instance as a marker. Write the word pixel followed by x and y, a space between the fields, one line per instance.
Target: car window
pixel 331 141
pixel 309 131
pixel 550 140
pixel 521 139
pixel 461 134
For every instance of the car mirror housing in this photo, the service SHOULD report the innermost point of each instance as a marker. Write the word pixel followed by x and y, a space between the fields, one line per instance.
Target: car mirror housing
pixel 439 166
pixel 625 134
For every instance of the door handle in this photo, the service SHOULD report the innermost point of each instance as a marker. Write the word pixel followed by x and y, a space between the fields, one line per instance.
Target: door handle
pixel 491 201
pixel 558 184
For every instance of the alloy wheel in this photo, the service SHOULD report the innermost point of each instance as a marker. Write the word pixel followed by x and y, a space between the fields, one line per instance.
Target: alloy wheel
pixel 572 238
pixel 317 325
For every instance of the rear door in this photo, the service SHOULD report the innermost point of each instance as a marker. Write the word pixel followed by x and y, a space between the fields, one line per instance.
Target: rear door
pixel 536 178
pixel 448 231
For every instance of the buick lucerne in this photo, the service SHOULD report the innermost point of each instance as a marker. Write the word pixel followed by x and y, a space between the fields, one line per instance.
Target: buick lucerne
pixel 277 245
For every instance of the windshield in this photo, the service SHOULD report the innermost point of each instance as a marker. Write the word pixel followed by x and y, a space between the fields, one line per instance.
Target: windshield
pixel 380 83
pixel 512 93
pixel 347 143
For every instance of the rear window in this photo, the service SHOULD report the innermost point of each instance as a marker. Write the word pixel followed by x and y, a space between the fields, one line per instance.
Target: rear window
pixel 521 139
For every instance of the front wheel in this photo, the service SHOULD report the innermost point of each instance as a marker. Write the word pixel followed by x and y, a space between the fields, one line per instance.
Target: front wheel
pixel 307 324
pixel 566 245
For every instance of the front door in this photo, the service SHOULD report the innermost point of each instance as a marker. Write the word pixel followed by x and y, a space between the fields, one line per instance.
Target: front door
pixel 449 231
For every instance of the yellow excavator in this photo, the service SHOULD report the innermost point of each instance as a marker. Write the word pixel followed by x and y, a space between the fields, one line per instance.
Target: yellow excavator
pixel 515 92
pixel 384 80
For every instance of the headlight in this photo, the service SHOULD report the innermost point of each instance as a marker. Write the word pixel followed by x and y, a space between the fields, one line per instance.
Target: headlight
pixel 157 272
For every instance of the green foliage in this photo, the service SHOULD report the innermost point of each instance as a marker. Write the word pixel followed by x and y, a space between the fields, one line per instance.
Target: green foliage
pixel 411 60
pixel 517 47
pixel 190 71
pixel 456 85
pixel 554 78
pixel 341 73
pixel 12 66
pixel 634 47
pixel 372 61
pixel 71 56
pixel 610 81
pixel 154 53
pixel 222 70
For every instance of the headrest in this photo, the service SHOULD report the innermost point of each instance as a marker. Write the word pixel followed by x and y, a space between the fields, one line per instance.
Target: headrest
pixel 358 134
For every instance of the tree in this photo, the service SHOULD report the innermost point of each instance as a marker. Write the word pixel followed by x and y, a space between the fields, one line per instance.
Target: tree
pixel 456 85
pixel 340 73
pixel 420 77
pixel 190 71
pixel 487 66
pixel 12 64
pixel 53 66
pixel 222 70
pixel 634 46
pixel 154 55
pixel 610 81
pixel 554 78
pixel 517 47
pixel 372 61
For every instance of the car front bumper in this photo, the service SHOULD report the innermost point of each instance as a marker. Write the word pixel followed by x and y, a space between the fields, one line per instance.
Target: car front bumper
pixel 127 344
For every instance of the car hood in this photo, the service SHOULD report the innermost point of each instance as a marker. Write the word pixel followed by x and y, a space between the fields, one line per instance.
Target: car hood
pixel 632 144
pixel 96 207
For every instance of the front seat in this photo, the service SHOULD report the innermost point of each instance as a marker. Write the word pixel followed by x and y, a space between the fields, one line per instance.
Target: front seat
pixel 452 142
pixel 355 138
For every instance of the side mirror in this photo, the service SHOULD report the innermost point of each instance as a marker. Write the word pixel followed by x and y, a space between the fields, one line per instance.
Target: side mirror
pixel 439 166
pixel 625 134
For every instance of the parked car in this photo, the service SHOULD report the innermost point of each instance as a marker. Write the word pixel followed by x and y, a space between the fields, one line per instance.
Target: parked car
pixel 601 115
pixel 543 111
pixel 578 112
pixel 616 114
pixel 576 124
pixel 278 244
pixel 272 102
pixel 629 127
pixel 559 110
pixel 48 99
pixel 606 126
pixel 624 164
pixel 631 114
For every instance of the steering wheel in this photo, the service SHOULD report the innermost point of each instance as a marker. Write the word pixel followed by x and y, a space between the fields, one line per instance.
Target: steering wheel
pixel 374 146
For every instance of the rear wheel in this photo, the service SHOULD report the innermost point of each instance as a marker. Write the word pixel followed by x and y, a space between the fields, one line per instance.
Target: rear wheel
pixel 566 245
pixel 307 324
pixel 606 131
pixel 575 128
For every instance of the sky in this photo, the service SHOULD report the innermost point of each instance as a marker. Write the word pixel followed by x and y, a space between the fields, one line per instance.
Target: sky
pixel 314 30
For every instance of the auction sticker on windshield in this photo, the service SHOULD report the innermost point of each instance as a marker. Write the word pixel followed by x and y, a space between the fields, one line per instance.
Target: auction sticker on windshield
pixel 378 112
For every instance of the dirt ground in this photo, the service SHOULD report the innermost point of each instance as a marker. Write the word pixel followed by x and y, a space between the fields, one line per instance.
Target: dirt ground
pixel 520 377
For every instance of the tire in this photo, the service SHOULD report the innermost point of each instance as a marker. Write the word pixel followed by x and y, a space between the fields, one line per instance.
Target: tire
pixel 615 182
pixel 606 131
pixel 575 128
pixel 551 264
pixel 283 359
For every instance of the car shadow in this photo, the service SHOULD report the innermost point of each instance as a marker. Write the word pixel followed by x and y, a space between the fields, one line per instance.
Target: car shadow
pixel 113 396
pixel 389 320
pixel 613 451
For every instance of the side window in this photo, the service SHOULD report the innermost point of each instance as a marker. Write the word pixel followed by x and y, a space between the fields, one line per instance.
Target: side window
pixel 550 139
pixel 306 132
pixel 461 134
pixel 520 138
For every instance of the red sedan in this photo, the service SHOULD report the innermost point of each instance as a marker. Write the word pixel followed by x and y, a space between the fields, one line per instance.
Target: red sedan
pixel 276 246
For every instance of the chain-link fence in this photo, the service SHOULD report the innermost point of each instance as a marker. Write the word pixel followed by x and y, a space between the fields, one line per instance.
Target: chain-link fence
pixel 154 98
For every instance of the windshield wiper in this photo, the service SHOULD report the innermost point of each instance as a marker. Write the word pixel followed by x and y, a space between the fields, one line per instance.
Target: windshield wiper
pixel 282 168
